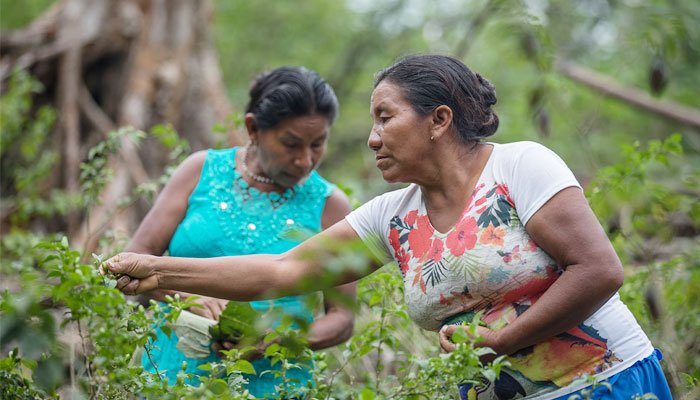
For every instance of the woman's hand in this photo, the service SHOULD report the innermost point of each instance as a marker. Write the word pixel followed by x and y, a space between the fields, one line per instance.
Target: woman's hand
pixel 490 339
pixel 137 274
pixel 210 307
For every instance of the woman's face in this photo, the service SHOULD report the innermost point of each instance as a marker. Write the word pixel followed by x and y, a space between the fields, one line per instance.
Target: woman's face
pixel 290 150
pixel 400 137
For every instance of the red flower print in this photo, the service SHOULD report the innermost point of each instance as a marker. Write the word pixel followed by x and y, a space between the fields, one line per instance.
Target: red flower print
pixel 531 245
pixel 480 201
pixel 394 239
pixel 492 235
pixel 502 190
pixel 444 301
pixel 463 237
pixel 418 278
pixel 419 238
pixel 436 250
pixel 411 217
pixel 532 289
pixel 402 257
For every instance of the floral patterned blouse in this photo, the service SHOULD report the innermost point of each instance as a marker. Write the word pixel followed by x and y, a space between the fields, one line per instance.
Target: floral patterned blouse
pixel 488 263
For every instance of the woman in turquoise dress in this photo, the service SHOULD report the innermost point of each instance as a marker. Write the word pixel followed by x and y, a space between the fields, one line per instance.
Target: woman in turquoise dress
pixel 252 200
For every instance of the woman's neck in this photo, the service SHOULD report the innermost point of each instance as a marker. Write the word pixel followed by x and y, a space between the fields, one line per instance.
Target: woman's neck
pixel 244 161
pixel 456 175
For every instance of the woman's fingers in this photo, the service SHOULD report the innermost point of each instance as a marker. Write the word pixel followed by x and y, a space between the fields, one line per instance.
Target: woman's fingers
pixel 123 281
pixel 445 336
pixel 220 305
pixel 135 274
pixel 132 287
pixel 131 264
pixel 210 307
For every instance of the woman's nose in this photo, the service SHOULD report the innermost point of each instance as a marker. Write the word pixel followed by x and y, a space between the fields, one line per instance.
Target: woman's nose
pixel 305 159
pixel 374 141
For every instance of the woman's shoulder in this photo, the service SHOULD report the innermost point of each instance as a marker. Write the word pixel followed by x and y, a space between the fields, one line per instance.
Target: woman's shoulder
pixel 217 158
pixel 520 147
pixel 393 201
pixel 336 208
pixel 522 156
pixel 227 152
pixel 194 162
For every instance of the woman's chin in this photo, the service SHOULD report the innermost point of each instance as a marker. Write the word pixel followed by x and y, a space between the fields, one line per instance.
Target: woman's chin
pixel 287 181
pixel 390 177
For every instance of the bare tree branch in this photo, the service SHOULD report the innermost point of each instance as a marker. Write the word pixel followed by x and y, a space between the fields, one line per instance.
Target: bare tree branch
pixel 69 71
pixel 676 112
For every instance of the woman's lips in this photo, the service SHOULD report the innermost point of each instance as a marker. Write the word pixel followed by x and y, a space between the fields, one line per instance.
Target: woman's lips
pixel 379 159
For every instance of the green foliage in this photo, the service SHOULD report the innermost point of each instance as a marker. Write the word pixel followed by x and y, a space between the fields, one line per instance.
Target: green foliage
pixel 27 158
pixel 638 209
pixel 385 332
pixel 95 172
pixel 235 322
pixel 13 17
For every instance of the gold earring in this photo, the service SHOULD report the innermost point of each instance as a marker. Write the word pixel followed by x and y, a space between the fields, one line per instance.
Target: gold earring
pixel 432 138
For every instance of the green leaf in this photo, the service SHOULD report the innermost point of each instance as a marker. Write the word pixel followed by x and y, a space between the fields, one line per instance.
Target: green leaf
pixel 367 394
pixel 237 321
pixel 244 366
pixel 167 330
pixel 218 386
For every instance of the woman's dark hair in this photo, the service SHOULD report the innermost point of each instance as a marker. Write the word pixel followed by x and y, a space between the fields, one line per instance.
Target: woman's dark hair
pixel 290 92
pixel 429 81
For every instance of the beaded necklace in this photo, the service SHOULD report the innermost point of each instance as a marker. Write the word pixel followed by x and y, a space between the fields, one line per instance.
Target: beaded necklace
pixel 258 178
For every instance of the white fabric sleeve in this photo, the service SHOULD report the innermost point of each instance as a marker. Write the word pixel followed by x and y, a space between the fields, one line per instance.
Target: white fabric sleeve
pixel 536 175
pixel 368 222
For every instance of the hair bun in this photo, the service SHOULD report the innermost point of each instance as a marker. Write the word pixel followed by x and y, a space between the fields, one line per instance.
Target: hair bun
pixel 487 90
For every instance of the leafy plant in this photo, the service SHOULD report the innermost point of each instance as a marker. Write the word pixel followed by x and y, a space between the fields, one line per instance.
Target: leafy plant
pixel 236 322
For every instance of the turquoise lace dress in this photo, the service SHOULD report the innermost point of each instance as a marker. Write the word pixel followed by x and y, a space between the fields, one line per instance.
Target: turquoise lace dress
pixel 226 217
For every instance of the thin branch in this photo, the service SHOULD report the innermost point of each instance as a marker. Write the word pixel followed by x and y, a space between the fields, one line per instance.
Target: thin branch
pixel 88 364
pixel 676 112
pixel 150 360
pixel 336 372
pixel 101 121
pixel 69 71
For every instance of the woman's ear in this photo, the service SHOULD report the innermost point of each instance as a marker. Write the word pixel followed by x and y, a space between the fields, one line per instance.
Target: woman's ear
pixel 251 126
pixel 441 121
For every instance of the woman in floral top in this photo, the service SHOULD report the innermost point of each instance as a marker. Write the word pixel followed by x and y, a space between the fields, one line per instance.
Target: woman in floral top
pixel 501 229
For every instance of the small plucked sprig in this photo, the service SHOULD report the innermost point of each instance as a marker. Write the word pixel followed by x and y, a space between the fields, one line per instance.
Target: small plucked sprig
pixel 109 277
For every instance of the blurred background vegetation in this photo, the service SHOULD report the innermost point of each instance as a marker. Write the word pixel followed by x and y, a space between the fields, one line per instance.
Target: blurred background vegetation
pixel 610 85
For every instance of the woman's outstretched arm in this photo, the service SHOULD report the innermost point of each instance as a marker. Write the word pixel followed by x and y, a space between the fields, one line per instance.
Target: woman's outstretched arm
pixel 243 278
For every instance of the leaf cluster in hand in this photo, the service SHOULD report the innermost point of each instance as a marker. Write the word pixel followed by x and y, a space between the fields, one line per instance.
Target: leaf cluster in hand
pixel 236 322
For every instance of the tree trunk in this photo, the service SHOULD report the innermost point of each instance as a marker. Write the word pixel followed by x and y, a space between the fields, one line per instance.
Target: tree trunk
pixel 109 63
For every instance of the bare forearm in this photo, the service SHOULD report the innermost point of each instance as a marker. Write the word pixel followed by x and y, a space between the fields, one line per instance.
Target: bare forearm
pixel 233 278
pixel 576 295
pixel 241 278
